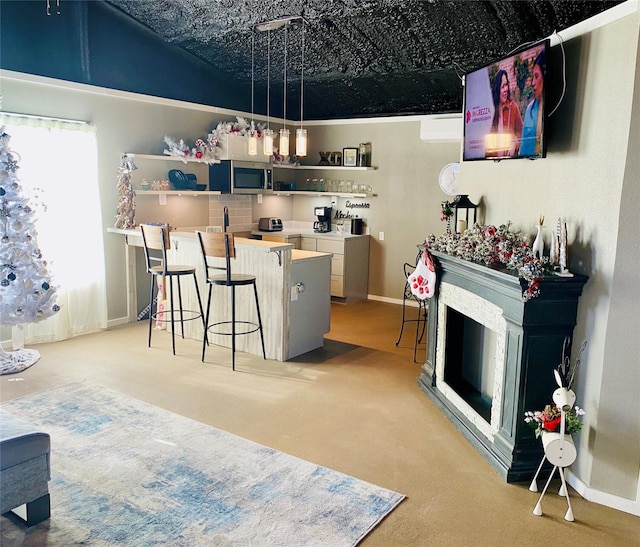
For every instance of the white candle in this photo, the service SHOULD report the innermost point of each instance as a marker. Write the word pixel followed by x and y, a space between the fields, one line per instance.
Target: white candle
pixel 462 226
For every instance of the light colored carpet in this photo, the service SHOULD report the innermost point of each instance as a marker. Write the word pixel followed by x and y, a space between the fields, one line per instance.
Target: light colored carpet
pixel 125 472
pixel 353 406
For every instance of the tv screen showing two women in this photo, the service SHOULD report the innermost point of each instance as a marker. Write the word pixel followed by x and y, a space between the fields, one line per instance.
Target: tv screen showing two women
pixel 504 107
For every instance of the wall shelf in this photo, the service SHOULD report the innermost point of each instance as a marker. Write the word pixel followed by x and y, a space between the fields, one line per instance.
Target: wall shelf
pixel 321 167
pixel 193 193
pixel 317 194
pixel 158 157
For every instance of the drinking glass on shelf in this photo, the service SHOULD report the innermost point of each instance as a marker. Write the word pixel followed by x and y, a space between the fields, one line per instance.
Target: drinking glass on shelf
pixel 314 185
pixel 307 185
pixel 322 186
pixel 349 186
pixel 342 186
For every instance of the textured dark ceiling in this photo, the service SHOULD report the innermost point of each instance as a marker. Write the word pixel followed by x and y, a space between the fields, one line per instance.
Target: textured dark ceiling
pixel 362 58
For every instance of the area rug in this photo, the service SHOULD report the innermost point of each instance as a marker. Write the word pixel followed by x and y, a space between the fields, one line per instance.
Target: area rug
pixel 125 472
pixel 18 360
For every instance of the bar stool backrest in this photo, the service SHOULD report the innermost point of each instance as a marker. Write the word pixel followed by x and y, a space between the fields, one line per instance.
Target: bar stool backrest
pixel 155 238
pixel 217 245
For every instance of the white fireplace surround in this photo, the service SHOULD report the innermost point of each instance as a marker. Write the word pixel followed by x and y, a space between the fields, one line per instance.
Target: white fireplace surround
pixel 490 316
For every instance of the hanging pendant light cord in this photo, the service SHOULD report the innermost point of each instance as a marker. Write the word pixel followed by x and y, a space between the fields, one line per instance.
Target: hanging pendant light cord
pixel 302 77
pixel 268 74
pixel 252 79
pixel 284 93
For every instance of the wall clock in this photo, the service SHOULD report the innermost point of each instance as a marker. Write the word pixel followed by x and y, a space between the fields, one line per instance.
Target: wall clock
pixel 448 179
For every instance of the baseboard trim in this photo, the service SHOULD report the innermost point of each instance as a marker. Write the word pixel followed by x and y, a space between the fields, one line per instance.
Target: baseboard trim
pixel 412 303
pixel 604 498
pixel 116 322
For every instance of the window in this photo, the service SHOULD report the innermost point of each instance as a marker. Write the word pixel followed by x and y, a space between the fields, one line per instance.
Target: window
pixel 57 169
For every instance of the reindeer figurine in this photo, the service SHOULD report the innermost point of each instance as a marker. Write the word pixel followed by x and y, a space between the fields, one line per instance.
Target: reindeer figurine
pixel 559 449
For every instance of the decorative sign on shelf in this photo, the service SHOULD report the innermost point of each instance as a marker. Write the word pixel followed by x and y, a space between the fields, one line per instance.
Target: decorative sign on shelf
pixel 330 158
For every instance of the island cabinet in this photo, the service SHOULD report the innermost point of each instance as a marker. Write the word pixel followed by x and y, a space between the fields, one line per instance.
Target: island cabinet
pixel 349 263
pixel 293 290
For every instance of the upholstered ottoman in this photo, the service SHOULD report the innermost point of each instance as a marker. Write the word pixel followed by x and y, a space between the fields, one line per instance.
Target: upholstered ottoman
pixel 24 469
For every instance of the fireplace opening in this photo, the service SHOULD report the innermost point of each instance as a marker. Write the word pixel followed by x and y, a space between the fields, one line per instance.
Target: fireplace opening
pixel 469 365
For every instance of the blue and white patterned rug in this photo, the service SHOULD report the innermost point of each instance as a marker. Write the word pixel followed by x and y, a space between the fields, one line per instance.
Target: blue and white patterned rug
pixel 125 472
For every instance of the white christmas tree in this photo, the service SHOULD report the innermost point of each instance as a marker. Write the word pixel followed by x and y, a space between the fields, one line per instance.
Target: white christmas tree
pixel 27 294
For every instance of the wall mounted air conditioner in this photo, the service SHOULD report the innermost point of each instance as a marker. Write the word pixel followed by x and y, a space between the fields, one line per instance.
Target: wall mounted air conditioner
pixel 441 127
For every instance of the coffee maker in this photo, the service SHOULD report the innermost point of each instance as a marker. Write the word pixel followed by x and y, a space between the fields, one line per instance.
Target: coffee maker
pixel 323 224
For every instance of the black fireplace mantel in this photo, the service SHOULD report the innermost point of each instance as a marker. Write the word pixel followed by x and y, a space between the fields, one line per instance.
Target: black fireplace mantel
pixel 535 332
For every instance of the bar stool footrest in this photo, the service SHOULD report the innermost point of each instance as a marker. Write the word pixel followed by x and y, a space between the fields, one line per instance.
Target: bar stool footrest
pixel 210 328
pixel 176 316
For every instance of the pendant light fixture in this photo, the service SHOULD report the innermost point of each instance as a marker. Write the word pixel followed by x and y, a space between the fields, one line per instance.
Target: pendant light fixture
pixel 301 133
pixel 252 145
pixel 267 140
pixel 284 132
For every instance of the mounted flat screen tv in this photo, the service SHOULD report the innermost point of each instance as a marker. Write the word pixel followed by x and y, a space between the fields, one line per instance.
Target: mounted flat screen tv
pixel 504 107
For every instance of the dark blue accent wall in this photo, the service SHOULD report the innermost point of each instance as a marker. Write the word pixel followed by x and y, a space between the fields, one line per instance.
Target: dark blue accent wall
pixel 92 42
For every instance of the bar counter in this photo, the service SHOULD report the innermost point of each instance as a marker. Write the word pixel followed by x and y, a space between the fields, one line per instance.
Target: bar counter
pixel 293 289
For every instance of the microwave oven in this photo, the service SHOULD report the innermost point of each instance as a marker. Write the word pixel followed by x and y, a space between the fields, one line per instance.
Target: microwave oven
pixel 240 177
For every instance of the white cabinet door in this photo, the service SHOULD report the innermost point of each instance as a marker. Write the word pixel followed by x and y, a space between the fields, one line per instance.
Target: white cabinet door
pixel 308 244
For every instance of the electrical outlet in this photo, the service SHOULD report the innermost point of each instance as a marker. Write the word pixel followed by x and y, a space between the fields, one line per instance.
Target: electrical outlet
pixel 381 236
pixel 259 196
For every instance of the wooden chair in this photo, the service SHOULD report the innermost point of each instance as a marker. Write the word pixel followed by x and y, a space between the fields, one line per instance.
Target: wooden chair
pixel 423 309
pixel 221 245
pixel 156 244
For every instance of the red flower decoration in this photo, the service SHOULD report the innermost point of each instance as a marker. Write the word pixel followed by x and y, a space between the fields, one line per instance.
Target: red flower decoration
pixel 552 425
pixel 490 231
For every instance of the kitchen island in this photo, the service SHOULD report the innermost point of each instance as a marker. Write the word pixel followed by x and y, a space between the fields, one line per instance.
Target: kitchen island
pixel 349 257
pixel 293 289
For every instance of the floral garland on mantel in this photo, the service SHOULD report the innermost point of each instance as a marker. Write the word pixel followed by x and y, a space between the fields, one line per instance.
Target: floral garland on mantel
pixel 490 245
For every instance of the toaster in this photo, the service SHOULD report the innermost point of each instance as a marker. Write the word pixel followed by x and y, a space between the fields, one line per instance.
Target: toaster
pixel 270 225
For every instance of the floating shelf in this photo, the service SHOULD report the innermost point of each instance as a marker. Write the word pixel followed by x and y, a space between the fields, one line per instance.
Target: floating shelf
pixel 317 194
pixel 158 157
pixel 161 157
pixel 321 167
pixel 177 192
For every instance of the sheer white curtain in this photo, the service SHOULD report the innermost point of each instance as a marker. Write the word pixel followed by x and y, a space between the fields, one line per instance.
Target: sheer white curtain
pixel 58 161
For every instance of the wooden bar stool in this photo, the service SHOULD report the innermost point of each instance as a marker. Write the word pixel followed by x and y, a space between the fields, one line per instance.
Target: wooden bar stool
pixel 156 244
pixel 220 245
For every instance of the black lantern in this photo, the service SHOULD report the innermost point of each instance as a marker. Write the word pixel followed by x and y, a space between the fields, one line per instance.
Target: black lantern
pixel 463 205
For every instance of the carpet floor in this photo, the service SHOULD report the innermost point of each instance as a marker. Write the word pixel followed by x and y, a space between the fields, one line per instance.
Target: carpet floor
pixel 125 472
pixel 353 406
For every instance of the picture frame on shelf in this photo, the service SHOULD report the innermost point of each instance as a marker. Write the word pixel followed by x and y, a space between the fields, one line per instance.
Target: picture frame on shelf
pixel 349 157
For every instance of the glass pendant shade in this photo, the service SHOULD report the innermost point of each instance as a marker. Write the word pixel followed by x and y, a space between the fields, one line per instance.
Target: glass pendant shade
pixel 267 142
pixel 301 142
pixel 252 144
pixel 284 142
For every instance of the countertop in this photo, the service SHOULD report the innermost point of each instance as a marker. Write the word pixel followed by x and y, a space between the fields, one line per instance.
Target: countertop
pixel 297 255
pixel 292 232
pixel 177 235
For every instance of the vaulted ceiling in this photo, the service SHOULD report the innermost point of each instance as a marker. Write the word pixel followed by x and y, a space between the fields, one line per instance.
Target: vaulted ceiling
pixel 361 58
